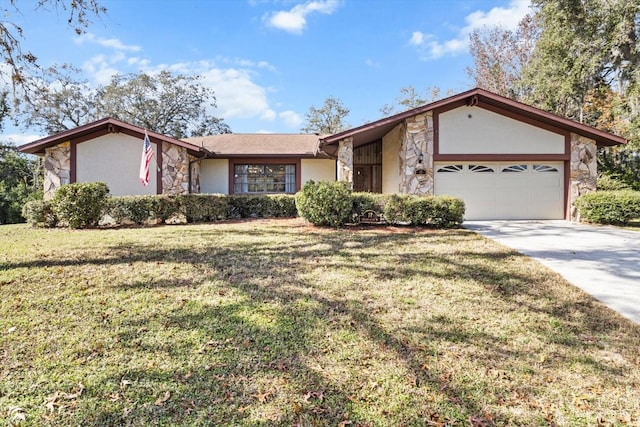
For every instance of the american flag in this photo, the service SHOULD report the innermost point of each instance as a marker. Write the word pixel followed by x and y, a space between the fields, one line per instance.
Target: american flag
pixel 147 155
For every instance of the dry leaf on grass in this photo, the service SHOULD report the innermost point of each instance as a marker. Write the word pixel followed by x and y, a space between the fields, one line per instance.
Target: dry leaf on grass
pixel 163 399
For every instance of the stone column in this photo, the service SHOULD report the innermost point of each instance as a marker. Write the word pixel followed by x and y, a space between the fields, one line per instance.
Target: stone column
pixel 416 155
pixel 345 160
pixel 584 170
pixel 175 169
pixel 57 168
pixel 195 175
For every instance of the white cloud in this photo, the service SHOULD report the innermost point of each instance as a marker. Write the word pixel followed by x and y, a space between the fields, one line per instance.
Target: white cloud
pixel 291 119
pixel 505 17
pixel 417 38
pixel 295 20
pixel 20 138
pixel 101 69
pixel 109 43
pixel 237 95
pixel 371 63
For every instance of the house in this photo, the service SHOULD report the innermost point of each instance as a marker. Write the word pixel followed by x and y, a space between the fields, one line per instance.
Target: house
pixel 505 159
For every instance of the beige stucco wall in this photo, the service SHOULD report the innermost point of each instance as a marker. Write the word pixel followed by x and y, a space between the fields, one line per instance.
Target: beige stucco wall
pixel 391 161
pixel 115 160
pixel 214 176
pixel 473 130
pixel 317 170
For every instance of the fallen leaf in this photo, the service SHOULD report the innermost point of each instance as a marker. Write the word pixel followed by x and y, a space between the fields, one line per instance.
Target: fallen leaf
pixel 297 408
pixel 76 392
pixel 262 397
pixel 162 400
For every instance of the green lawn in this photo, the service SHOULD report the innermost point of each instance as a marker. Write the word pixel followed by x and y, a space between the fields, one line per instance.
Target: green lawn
pixel 278 323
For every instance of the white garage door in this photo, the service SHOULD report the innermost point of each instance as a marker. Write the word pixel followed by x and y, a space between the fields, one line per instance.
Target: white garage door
pixel 514 190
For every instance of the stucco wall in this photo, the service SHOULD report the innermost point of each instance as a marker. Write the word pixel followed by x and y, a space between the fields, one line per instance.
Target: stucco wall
pixel 473 130
pixel 115 160
pixel 214 176
pixel 391 161
pixel 317 170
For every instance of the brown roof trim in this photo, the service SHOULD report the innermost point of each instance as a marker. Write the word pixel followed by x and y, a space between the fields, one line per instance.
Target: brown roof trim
pixel 101 127
pixel 481 96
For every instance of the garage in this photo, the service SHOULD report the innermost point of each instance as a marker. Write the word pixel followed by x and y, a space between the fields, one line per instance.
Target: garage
pixel 504 190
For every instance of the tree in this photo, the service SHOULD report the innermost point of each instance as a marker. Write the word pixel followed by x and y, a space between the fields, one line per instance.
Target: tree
pixel 61 101
pixel 410 98
pixel 20 181
pixel 586 66
pixel 500 55
pixel 169 104
pixel 20 62
pixel 175 105
pixel 327 119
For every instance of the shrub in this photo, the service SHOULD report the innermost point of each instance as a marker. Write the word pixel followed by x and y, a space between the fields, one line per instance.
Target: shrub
pixel 250 206
pixel 396 209
pixel 80 205
pixel 611 183
pixel 134 209
pixel 325 203
pixel 435 211
pixel 284 205
pixel 609 207
pixel 204 207
pixel 39 213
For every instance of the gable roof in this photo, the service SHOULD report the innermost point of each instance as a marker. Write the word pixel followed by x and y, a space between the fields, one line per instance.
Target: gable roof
pixel 99 128
pixel 376 130
pixel 259 145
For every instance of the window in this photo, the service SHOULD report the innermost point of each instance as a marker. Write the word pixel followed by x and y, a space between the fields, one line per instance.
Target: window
pixel 515 168
pixel 264 178
pixel 544 168
pixel 480 168
pixel 450 168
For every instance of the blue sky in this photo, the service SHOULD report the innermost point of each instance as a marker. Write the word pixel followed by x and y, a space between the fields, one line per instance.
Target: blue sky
pixel 268 61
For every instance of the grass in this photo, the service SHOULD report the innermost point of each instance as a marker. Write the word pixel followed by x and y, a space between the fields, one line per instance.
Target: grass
pixel 277 323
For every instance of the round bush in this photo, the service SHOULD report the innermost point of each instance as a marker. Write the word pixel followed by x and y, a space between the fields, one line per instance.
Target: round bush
pixel 325 203
pixel 38 213
pixel 80 205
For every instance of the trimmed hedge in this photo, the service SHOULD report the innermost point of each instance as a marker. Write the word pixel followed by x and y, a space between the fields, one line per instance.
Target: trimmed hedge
pixel 323 203
pixel 433 211
pixel 87 210
pixel 609 207
pixel 334 204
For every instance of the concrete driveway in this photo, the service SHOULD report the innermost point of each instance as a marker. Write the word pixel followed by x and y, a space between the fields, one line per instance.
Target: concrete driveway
pixel 603 261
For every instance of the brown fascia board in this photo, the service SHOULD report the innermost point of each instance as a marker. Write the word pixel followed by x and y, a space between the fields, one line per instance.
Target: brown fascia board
pixel 471 97
pixel 100 126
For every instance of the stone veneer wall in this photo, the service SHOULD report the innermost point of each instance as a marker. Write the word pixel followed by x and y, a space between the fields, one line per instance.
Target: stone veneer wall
pixel 345 160
pixel 584 169
pixel 417 138
pixel 57 168
pixel 195 175
pixel 175 169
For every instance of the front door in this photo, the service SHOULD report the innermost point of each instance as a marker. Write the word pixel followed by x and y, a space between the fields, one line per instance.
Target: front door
pixel 362 178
